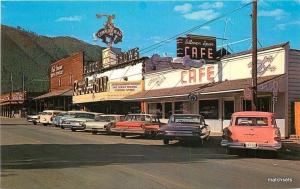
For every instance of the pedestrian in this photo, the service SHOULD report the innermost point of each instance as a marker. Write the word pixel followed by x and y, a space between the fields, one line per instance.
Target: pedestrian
pixel 13 114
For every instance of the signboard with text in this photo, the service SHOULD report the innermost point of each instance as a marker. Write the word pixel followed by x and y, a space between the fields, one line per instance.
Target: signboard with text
pixel 197 47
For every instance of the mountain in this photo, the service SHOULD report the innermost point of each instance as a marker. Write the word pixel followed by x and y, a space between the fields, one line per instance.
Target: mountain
pixel 29 54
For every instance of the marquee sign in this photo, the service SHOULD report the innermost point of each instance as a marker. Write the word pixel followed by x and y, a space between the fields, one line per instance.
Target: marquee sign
pixel 197 47
pixel 132 54
pixel 96 86
pixel 56 70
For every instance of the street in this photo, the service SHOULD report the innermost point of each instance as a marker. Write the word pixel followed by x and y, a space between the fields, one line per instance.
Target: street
pixel 49 157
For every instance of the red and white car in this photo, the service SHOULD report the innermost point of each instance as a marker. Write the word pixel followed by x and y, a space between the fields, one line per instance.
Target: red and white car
pixel 47 116
pixel 136 124
pixel 252 130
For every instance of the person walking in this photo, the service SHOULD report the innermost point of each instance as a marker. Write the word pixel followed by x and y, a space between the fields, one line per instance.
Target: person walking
pixel 13 114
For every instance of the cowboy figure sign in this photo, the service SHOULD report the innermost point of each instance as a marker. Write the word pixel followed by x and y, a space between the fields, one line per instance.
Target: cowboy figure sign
pixel 109 34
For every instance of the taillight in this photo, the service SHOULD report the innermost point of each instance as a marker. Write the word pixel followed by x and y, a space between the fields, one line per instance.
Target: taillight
pixel 277 135
pixel 227 134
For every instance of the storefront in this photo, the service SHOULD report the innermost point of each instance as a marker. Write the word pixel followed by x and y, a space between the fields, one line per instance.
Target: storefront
pixel 218 89
pixel 62 75
pixel 104 90
pixel 13 104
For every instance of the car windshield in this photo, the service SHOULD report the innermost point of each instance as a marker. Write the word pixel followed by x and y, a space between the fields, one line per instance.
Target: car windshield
pixel 106 118
pixel 251 121
pixel 186 119
pixel 138 118
pixel 85 115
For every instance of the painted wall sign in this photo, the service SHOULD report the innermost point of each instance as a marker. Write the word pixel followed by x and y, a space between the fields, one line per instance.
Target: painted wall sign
pixel 193 76
pixel 57 70
pixel 197 47
pixel 263 65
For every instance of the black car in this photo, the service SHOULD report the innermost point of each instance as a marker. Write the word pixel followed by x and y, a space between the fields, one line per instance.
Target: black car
pixel 185 127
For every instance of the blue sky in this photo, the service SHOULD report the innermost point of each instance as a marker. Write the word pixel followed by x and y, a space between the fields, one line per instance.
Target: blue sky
pixel 145 23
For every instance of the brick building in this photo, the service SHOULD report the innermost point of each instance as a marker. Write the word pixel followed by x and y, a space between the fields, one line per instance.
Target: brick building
pixel 62 75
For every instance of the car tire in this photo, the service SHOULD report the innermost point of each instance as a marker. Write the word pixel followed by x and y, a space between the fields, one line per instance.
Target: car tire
pixel 166 141
pixel 73 130
pixel 231 151
pixel 45 124
pixel 34 123
pixel 62 127
pixel 94 132
pixel 123 135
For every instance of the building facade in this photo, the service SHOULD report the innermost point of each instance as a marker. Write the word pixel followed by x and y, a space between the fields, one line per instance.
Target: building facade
pixel 62 75
pixel 218 89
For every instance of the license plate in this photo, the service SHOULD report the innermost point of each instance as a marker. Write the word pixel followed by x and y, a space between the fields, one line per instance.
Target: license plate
pixel 250 145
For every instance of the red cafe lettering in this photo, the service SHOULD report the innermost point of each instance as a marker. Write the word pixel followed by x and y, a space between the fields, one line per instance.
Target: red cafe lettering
pixel 199 75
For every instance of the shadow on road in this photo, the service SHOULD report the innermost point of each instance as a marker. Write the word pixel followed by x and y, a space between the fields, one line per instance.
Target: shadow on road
pixel 53 156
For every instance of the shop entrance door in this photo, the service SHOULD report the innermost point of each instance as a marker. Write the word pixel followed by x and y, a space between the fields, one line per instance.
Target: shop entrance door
pixel 297 118
pixel 228 110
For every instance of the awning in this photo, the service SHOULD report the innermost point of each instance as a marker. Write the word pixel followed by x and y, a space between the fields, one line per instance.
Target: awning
pixel 11 103
pixel 203 89
pixel 66 92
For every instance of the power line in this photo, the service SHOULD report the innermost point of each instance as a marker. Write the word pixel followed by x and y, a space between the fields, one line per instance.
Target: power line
pixel 159 44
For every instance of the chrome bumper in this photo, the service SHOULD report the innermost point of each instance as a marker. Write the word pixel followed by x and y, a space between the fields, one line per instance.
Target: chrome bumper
pixel 241 145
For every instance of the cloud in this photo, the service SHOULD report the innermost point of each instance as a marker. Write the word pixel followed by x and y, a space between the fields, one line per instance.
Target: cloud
pixel 297 1
pixel 183 8
pixel 276 13
pixel 155 39
pixel 69 19
pixel 205 27
pixel 283 26
pixel 216 5
pixel 201 15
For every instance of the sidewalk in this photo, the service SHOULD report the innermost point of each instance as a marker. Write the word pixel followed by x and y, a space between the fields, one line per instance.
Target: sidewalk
pixel 14 121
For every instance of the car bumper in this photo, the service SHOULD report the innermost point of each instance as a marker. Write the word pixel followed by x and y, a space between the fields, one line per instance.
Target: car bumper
pixel 181 135
pixel 127 131
pixel 77 127
pixel 242 145
pixel 97 129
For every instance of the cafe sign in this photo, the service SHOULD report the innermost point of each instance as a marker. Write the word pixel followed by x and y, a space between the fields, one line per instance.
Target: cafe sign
pixel 128 56
pixel 197 47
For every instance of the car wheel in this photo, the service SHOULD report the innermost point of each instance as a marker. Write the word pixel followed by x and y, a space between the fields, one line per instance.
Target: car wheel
pixel 123 135
pixel 94 132
pixel 166 141
pixel 62 127
pixel 73 129
pixel 34 123
pixel 230 151
pixel 45 124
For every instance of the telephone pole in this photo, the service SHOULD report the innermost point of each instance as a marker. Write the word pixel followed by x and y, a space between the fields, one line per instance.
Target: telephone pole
pixel 254 56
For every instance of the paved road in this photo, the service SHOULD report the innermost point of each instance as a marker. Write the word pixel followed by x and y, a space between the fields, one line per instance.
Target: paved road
pixel 37 157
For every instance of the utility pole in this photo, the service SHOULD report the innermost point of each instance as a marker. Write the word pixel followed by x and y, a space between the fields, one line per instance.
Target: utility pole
pixel 254 56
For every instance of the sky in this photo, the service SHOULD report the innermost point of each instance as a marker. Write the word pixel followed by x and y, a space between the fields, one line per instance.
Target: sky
pixel 145 23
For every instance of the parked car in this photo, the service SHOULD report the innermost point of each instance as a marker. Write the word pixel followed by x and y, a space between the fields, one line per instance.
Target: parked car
pixel 69 114
pixel 76 123
pixel 185 127
pixel 101 122
pixel 137 124
pixel 252 130
pixel 57 118
pixel 47 116
pixel 34 118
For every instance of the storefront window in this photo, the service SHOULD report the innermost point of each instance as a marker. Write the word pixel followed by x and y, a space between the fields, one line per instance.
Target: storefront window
pixel 178 107
pixel 209 109
pixel 263 104
pixel 168 109
pixel 228 109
